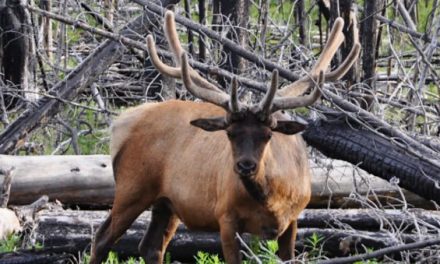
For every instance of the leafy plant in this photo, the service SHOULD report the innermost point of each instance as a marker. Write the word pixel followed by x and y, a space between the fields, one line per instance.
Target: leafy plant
pixel 113 258
pixel 314 244
pixel 10 244
pixel 206 258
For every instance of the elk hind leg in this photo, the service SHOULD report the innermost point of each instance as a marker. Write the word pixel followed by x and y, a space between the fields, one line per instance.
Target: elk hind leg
pixel 125 211
pixel 162 227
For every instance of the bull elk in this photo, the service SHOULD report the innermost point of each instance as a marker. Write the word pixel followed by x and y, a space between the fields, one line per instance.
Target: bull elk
pixel 176 157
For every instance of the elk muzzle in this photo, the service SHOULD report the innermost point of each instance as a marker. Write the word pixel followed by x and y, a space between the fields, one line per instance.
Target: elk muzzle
pixel 246 167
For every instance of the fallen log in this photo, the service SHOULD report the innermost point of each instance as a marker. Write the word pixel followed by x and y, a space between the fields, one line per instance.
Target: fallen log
pixel 75 228
pixel 382 157
pixel 88 180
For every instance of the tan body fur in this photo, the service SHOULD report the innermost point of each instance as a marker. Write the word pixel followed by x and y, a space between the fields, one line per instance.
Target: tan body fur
pixel 193 168
pixel 160 159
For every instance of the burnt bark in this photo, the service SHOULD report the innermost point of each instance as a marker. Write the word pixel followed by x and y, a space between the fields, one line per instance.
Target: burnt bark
pixel 202 18
pixel 238 14
pixel 187 5
pixel 301 19
pixel 15 46
pixel 75 228
pixel 369 42
pixel 377 155
pixel 346 10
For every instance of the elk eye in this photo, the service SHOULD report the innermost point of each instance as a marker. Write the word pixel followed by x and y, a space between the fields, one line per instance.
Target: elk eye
pixel 230 135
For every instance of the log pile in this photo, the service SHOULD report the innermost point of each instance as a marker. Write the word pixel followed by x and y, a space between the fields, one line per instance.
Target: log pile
pixel 88 181
pixel 75 228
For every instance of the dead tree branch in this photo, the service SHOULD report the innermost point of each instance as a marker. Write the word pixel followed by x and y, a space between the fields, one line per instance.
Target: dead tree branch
pixel 382 252
pixel 235 48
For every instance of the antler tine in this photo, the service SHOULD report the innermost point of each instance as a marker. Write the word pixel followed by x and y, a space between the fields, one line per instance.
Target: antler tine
pixel 345 65
pixel 301 101
pixel 234 104
pixel 220 99
pixel 352 56
pixel 157 62
pixel 176 48
pixel 266 103
pixel 334 41
pixel 172 37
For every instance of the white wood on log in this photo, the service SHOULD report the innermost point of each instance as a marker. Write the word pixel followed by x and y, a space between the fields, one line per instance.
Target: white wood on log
pixel 88 180
pixel 69 179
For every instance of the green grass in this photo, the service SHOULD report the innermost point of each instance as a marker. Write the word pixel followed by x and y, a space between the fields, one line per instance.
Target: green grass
pixel 113 258
pixel 265 251
pixel 13 242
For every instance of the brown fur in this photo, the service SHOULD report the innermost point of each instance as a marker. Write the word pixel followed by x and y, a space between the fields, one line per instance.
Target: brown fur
pixel 164 161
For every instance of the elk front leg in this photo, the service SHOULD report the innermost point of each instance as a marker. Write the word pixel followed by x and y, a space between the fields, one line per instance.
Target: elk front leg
pixel 162 228
pixel 286 243
pixel 230 245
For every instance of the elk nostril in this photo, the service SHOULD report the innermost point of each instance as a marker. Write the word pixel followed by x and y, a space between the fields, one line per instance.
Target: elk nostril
pixel 246 165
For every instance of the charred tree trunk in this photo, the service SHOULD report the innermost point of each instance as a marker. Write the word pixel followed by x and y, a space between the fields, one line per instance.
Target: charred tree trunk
pixel 348 13
pixel 187 5
pixel 301 20
pixel 16 49
pixel 324 11
pixel 339 140
pixel 202 18
pixel 238 14
pixel 369 43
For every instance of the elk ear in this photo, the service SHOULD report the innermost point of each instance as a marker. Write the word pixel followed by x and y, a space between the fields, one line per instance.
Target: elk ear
pixel 210 124
pixel 289 127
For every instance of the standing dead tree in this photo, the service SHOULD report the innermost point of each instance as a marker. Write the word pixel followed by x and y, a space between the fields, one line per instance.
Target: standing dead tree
pixel 370 45
pixel 16 54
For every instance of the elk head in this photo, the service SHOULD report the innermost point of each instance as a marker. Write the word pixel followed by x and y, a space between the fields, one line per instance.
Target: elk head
pixel 250 127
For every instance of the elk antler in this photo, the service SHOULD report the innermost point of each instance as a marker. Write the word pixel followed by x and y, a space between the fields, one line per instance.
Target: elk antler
pixel 272 101
pixel 265 106
pixel 176 48
pixel 334 41
pixel 300 101
pixel 220 99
